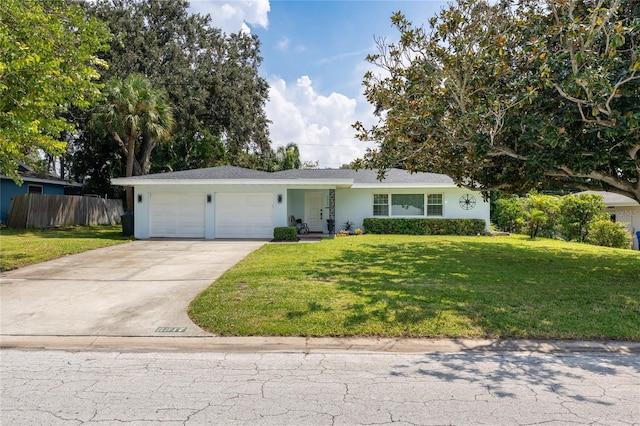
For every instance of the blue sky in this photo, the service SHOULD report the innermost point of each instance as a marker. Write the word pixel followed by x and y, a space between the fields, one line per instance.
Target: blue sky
pixel 314 60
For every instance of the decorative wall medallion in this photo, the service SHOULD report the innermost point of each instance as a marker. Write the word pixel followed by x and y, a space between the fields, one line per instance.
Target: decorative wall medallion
pixel 467 201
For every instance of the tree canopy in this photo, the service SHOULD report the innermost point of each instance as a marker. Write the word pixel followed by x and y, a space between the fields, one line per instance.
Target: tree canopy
pixel 48 62
pixel 513 97
pixel 211 78
pixel 137 116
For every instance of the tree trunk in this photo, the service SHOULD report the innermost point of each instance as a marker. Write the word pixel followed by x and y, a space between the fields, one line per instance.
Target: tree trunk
pixel 137 169
pixel 129 172
pixel 145 154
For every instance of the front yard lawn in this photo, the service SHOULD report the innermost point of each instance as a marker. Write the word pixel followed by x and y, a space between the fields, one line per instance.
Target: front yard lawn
pixel 472 287
pixel 21 247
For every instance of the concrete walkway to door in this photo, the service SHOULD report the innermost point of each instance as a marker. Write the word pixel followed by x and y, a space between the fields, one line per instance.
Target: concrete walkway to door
pixel 131 289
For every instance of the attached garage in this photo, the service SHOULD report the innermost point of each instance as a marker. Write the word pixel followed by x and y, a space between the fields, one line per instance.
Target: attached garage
pixel 244 215
pixel 177 215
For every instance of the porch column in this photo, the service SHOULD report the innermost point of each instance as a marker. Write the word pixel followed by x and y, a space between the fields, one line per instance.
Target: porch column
pixel 332 211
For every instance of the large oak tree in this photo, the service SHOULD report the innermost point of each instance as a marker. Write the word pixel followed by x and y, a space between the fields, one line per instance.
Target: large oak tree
pixel 513 95
pixel 211 80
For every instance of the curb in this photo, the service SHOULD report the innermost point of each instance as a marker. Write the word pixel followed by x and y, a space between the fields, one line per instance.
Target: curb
pixel 307 345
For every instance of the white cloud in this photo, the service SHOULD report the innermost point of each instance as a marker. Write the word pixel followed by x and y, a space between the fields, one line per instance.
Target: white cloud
pixel 234 15
pixel 358 53
pixel 320 125
pixel 283 44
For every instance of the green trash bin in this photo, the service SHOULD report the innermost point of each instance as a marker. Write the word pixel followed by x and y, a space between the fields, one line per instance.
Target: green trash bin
pixel 127 224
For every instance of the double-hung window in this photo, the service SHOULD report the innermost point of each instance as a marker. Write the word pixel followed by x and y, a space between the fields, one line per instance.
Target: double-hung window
pixel 381 204
pixel 434 205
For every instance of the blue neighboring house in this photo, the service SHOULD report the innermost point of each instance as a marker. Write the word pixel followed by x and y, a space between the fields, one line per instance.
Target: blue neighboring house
pixel 34 183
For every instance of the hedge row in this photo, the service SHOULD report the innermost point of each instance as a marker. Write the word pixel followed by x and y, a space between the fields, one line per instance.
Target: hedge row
pixel 424 226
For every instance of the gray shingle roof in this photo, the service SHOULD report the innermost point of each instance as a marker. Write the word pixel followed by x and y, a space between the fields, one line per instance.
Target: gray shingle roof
pixel 365 176
pixel 393 176
pixel 223 172
pixel 613 199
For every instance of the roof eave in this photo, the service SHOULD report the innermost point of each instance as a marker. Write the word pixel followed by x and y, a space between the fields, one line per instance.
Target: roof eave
pixel 43 180
pixel 338 183
pixel 404 185
pixel 623 204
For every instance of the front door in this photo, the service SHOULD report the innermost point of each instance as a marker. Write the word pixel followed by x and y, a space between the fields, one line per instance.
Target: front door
pixel 313 211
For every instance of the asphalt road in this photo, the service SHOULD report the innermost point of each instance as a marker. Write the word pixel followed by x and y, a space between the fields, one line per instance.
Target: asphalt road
pixel 319 388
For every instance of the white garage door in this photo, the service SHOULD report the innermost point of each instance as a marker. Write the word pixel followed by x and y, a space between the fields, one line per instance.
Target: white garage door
pixel 177 215
pixel 244 215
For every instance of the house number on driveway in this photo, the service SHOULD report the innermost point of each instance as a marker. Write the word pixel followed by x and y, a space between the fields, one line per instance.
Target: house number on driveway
pixel 170 329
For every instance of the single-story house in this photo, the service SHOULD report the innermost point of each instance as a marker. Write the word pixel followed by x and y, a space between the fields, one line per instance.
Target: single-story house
pixel 622 209
pixel 233 202
pixel 33 183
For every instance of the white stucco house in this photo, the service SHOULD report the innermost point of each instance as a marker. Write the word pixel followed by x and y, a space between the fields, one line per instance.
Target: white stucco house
pixel 623 210
pixel 233 202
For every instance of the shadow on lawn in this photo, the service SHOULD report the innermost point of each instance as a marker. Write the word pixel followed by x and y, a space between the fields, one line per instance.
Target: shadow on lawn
pixel 105 232
pixel 496 289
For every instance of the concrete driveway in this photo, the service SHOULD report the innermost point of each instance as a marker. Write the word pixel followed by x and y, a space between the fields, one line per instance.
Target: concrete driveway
pixel 142 288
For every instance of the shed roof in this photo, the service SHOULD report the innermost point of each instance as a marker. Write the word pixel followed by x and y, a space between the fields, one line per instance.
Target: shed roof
pixel 612 199
pixel 29 175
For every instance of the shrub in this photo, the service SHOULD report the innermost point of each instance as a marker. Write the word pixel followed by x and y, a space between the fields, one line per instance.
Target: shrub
pixel 508 214
pixel 285 233
pixel 577 212
pixel 608 234
pixel 572 217
pixel 536 219
pixel 423 226
pixel 540 214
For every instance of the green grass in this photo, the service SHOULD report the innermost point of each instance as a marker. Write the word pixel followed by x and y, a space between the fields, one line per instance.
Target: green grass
pixel 466 287
pixel 21 247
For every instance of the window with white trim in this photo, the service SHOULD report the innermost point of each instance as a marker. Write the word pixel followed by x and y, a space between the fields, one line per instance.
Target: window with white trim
pixel 407 204
pixel 434 205
pixel 381 204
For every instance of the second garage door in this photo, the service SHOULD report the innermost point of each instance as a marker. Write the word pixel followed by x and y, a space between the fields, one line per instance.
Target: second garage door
pixel 244 215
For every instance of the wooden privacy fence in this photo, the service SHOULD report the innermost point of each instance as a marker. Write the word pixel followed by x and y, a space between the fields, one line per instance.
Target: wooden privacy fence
pixel 44 211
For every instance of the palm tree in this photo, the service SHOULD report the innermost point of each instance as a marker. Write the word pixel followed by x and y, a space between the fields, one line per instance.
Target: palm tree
pixel 288 157
pixel 135 114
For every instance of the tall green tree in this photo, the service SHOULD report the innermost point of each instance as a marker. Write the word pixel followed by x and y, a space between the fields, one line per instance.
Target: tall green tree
pixel 211 79
pixel 48 61
pixel 513 96
pixel 288 157
pixel 186 151
pixel 136 116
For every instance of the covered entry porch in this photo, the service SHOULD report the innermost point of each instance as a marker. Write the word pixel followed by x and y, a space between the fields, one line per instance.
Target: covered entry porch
pixel 316 207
